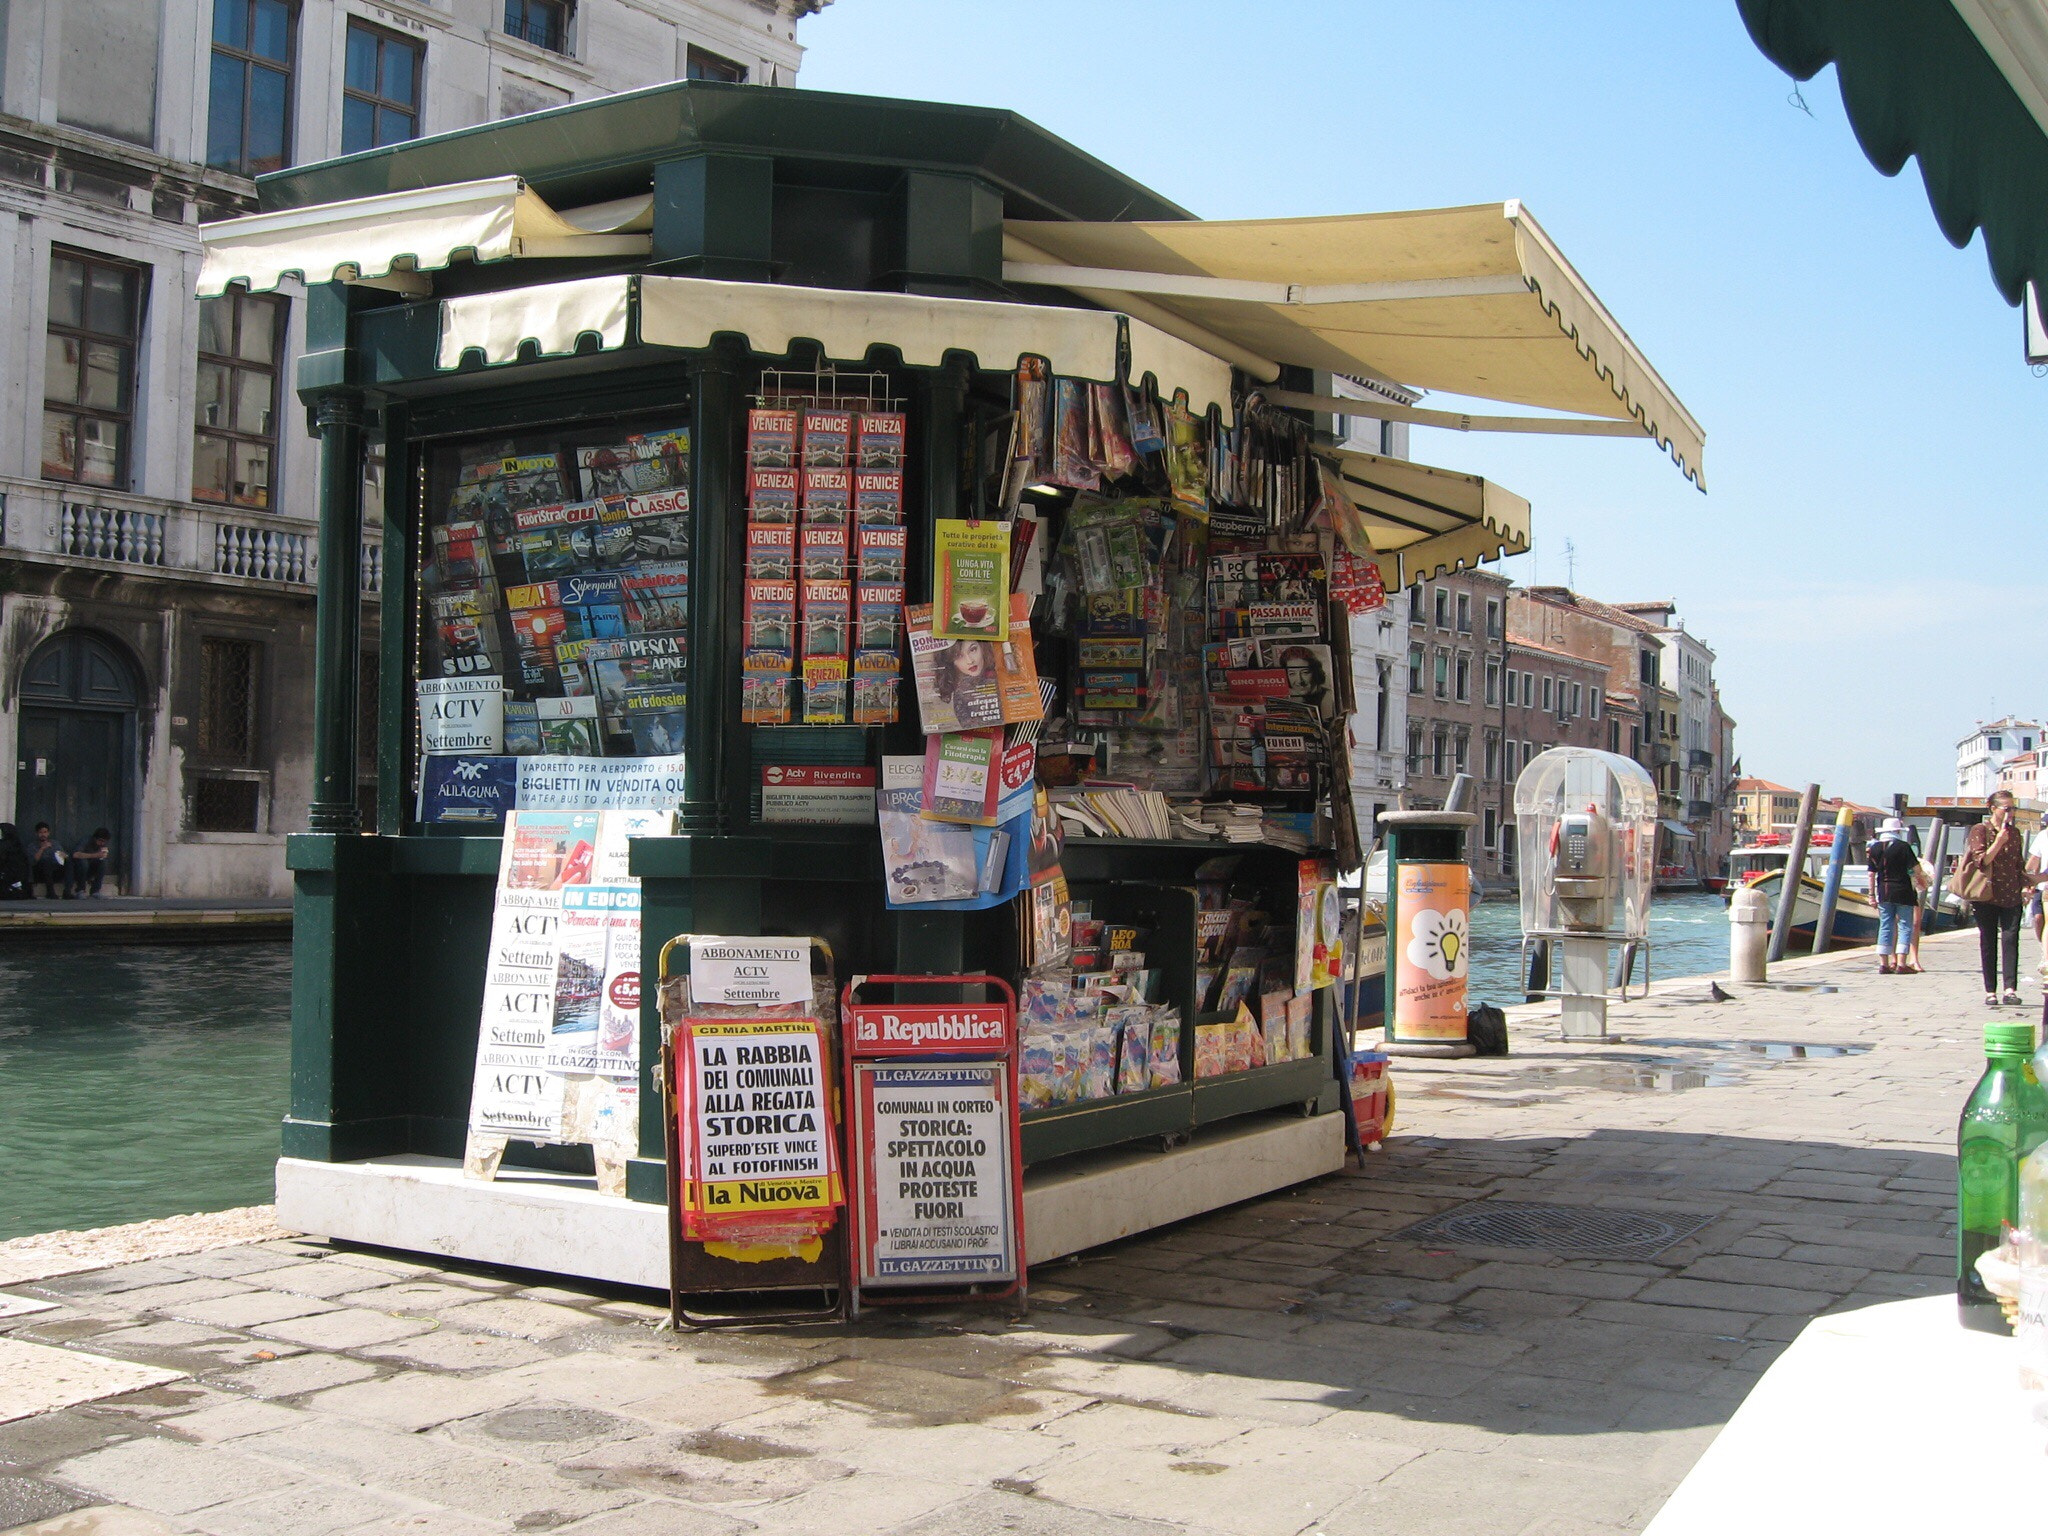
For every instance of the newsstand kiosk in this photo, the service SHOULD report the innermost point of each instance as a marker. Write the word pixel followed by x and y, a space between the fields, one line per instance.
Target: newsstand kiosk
pixel 779 534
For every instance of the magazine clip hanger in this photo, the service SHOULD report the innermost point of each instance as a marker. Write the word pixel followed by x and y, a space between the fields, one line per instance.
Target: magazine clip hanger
pixel 706 1290
pixel 920 1028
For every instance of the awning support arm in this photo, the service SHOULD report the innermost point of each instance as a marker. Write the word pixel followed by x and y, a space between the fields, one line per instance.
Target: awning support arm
pixel 1455 421
pixel 1264 369
pixel 1058 275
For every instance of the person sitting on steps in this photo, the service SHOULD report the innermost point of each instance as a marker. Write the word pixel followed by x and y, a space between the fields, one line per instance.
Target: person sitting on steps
pixel 88 866
pixel 46 858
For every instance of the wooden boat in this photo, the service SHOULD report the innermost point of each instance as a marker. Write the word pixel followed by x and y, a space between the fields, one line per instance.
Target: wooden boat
pixel 1762 865
pixel 1855 913
pixel 1718 884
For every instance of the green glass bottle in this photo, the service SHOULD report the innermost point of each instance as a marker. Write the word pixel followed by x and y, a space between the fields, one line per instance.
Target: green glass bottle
pixel 2005 1119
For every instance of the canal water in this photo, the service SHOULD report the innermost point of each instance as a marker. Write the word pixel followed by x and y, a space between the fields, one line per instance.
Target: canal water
pixel 139 1081
pixel 1688 937
pixel 149 1081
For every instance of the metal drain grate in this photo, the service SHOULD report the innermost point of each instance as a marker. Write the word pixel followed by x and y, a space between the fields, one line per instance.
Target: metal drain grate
pixel 1572 1231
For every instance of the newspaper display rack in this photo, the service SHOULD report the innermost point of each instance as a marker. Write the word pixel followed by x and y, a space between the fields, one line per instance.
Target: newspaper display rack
pixel 934 1150
pixel 714 1280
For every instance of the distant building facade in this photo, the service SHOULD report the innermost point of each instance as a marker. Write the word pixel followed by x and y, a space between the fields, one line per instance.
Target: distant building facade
pixel 157 547
pixel 1982 755
pixel 1549 698
pixel 1457 647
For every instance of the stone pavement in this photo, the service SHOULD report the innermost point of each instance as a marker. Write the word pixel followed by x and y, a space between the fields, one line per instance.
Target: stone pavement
pixel 1291 1365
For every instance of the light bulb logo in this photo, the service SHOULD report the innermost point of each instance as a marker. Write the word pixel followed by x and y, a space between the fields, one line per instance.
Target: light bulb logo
pixel 1438 942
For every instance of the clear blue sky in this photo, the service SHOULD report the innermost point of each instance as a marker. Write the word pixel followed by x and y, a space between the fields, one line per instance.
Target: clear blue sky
pixel 1871 563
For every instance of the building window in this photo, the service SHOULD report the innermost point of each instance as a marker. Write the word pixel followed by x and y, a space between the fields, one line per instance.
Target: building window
pixel 1464 613
pixel 1436 752
pixel 234 449
pixel 1995 744
pixel 380 95
pixel 1493 682
pixel 227 701
pixel 249 99
pixel 1576 696
pixel 1415 669
pixel 1415 613
pixel 1414 748
pixel 1463 686
pixel 543 23
pixel 1443 608
pixel 89 369
pixel 1546 693
pixel 1492 768
pixel 1493 618
pixel 1593 704
pixel 1491 824
pixel 1443 674
pixel 1461 750
pixel 1528 689
pixel 701 64
pixel 221 804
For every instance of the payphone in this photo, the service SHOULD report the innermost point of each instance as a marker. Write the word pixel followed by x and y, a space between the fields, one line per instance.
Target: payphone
pixel 1586 823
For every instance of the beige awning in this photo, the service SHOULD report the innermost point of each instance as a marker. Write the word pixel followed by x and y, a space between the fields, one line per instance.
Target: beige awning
pixel 379 240
pixel 689 311
pixel 1475 301
pixel 1431 519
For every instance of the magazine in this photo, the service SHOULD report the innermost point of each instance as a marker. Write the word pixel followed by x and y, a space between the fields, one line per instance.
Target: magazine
pixel 568 725
pixel 961 778
pixel 771 552
pixel 650 461
pixel 825 690
pixel 966 684
pixel 656 716
pixel 922 860
pixel 828 496
pixel 824 553
pixel 771 495
pixel 878 497
pixel 881 554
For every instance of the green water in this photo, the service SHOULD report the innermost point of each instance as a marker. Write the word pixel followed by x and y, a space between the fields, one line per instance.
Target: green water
pixel 139 1081
pixel 1688 935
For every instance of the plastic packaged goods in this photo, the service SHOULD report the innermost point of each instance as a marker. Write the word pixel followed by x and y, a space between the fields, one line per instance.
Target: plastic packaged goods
pixel 2005 1119
pixel 1134 1050
pixel 1099 1081
pixel 1164 1070
pixel 1035 1076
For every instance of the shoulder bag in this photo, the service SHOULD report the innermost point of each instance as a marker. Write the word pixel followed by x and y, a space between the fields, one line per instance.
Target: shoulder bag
pixel 1973 880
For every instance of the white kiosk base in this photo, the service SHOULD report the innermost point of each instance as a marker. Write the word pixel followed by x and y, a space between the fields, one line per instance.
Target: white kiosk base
pixel 559 1224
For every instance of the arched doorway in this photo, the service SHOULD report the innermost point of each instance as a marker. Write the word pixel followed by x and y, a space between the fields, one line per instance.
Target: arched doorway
pixel 75 748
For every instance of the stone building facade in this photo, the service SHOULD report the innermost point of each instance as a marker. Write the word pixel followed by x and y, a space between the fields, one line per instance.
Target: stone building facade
pixel 156 476
pixel 1457 645
pixel 1549 698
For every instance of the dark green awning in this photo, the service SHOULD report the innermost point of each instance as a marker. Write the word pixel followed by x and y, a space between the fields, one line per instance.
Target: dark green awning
pixel 1918 84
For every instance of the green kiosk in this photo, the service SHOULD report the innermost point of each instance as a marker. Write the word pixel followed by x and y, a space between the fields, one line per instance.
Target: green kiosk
pixel 619 362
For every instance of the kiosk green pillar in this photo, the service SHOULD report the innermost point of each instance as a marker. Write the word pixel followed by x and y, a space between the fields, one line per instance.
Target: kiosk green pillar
pixel 1429 931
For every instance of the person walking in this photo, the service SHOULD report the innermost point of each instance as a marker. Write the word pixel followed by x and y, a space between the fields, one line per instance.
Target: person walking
pixel 1895 881
pixel 1995 869
pixel 46 857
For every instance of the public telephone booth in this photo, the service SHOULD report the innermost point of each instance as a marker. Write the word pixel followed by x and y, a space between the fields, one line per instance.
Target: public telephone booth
pixel 1587 829
pixel 757 468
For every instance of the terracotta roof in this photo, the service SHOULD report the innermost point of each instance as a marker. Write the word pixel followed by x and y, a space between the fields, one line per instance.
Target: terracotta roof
pixel 1516 644
pixel 1762 786
pixel 1565 597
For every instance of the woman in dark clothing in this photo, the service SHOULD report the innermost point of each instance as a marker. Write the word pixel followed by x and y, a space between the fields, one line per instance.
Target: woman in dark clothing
pixel 16 872
pixel 1995 848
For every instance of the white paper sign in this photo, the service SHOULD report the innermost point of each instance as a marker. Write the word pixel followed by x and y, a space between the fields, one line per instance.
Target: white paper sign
pixel 759 1111
pixel 771 972
pixel 462 714
pixel 600 783
pixel 937 1171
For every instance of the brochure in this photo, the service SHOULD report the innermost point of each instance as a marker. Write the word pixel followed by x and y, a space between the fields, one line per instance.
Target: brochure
pixel 971 566
pixel 828 496
pixel 771 438
pixel 881 439
pixel 827 438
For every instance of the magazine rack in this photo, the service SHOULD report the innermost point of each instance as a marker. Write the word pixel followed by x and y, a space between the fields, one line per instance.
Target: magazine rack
pixel 957 1225
pixel 708 1290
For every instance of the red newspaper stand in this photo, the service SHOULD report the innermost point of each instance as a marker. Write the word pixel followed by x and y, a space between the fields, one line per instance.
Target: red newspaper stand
pixel 934 1158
